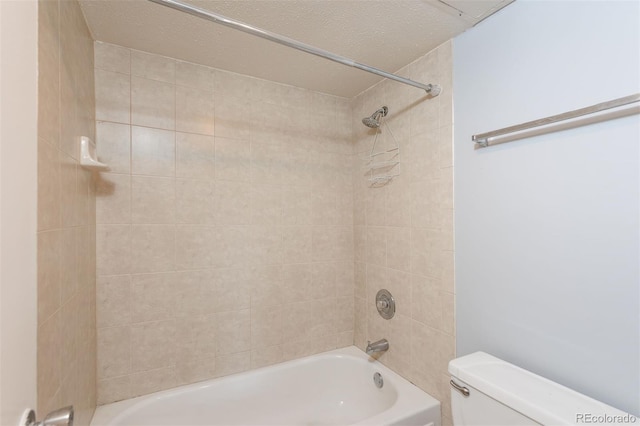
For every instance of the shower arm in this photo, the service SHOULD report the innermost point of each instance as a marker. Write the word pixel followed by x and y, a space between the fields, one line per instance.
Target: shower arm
pixel 431 89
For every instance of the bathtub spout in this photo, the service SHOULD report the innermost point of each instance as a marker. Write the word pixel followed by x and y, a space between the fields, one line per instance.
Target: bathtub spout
pixel 378 346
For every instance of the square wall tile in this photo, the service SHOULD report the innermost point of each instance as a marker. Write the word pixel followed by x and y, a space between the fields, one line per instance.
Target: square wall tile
pixel 266 205
pixel 344 313
pixel 49 275
pixel 193 75
pixel 195 370
pixel 113 198
pixel 113 300
pixel 345 275
pixel 399 284
pixel 113 145
pixel 398 248
pixel 152 199
pixel 376 252
pixel 152 67
pixel 195 156
pixel 86 246
pixel 49 73
pixel 297 244
pixel 84 200
pixel 297 206
pixel 68 191
pixel 153 381
pixel 324 208
pixel 153 152
pixel 193 247
pixel 113 96
pixel 233 159
pixel 266 327
pixel 375 206
pixel 232 118
pixel 267 164
pixel 197 299
pixel 265 245
pixel 359 280
pixel 296 282
pixel 323 280
pixel 153 297
pixel 113 249
pixel 114 352
pixel 266 285
pixel 110 57
pixel 196 338
pixel 48 358
pixel 155 345
pixel 194 201
pixel 265 356
pixel 48 186
pixel 68 264
pixel 234 287
pixel 234 332
pixel 153 103
pixel 194 111
pixel 112 390
pixel 152 248
pixel 233 363
pixel 238 86
pixel 233 201
pixel 330 243
pixel 230 246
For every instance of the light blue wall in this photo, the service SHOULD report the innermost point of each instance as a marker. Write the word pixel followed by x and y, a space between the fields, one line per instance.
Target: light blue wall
pixel 547 228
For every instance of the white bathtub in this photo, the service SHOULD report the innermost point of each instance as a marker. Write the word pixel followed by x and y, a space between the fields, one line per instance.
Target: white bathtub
pixel 332 388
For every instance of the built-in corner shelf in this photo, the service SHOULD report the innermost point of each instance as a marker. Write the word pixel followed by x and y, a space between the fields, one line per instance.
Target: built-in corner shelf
pixel 88 157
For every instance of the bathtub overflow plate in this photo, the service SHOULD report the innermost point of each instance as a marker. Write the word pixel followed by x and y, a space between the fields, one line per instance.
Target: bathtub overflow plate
pixel 377 379
pixel 385 304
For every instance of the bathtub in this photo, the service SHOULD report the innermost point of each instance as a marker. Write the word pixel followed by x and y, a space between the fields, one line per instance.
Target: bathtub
pixel 331 388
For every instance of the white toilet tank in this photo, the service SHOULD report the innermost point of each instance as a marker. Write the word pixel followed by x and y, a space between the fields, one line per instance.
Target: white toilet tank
pixel 500 393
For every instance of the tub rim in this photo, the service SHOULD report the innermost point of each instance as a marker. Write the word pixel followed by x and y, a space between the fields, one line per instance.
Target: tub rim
pixel 411 400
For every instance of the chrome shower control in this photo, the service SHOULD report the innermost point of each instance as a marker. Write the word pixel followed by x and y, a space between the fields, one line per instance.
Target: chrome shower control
pixel 385 304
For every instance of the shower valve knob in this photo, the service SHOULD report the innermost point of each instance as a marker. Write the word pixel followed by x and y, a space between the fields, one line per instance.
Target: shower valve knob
pixel 385 304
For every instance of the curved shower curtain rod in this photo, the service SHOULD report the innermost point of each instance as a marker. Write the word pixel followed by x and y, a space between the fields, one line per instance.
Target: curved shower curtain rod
pixel 431 89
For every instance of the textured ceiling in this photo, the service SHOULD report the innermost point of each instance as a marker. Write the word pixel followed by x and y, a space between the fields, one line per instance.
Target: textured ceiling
pixel 387 34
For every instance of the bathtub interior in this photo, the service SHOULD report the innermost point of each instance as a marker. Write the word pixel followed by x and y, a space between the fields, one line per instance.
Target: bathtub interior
pixel 335 388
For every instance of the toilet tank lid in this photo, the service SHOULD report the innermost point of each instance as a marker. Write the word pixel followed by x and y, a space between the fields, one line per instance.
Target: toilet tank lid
pixel 534 396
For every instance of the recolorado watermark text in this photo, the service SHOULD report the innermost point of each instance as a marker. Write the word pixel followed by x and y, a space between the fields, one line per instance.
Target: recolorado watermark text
pixel 590 418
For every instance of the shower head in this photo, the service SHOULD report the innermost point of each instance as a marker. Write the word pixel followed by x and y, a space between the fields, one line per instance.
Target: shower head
pixel 374 120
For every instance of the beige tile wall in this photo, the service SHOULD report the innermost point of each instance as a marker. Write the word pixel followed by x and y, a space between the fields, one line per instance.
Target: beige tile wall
pixel 66 213
pixel 403 231
pixel 225 226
